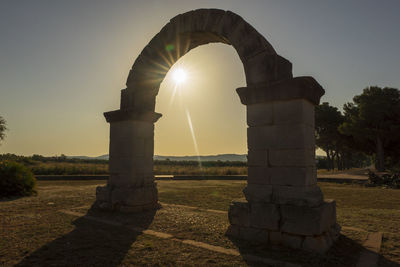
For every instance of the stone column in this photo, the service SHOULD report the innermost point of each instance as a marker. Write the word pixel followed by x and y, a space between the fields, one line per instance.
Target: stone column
pixel 131 186
pixel 283 203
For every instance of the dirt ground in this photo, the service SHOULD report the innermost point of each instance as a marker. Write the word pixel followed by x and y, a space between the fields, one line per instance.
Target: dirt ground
pixel 34 231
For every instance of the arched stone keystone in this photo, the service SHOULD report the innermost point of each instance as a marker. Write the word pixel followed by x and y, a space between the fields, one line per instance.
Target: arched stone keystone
pixel 283 203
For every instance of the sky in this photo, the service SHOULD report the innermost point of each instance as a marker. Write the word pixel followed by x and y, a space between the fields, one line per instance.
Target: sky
pixel 63 63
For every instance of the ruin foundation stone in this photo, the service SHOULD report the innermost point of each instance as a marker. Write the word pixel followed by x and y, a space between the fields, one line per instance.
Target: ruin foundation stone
pixel 283 204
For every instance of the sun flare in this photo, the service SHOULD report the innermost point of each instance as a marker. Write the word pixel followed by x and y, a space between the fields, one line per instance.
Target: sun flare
pixel 179 76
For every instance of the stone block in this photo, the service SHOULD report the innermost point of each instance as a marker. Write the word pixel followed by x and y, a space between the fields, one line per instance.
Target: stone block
pixel 266 68
pixel 239 212
pixel 303 220
pixel 292 241
pixel 293 176
pixel 102 194
pixel 275 238
pixel 264 216
pixel 253 234
pixel 283 136
pixel 334 232
pixel 282 90
pixel 257 158
pixel 132 166
pixel 258 175
pixel 138 196
pixel 259 114
pixel 293 112
pixel 292 157
pixel 319 244
pixel 130 128
pixel 229 22
pixel 126 147
pixel 310 196
pixel 258 193
pixel 149 147
pixel 214 20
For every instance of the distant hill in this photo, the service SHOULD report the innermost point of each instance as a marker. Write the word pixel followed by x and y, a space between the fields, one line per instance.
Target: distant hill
pixel 221 157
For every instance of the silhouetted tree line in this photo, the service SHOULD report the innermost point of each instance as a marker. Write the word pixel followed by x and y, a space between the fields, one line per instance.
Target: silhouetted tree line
pixel 39 158
pixel 369 127
pixel 29 160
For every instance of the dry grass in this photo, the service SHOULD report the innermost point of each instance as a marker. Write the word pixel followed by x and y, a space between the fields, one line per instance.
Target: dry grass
pixel 34 233
pixel 68 168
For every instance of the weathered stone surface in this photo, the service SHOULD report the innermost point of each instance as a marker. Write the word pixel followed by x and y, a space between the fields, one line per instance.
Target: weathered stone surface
pixel 293 176
pixel 123 115
pixel 265 69
pixel 127 147
pixel 132 166
pixel 292 157
pixel 284 136
pixel 258 193
pixel 294 111
pixel 259 114
pixel 334 232
pixel 130 128
pixel 319 244
pixel 303 220
pixel 134 196
pixel 239 212
pixel 310 196
pixel 253 234
pixel 264 216
pixel 257 158
pixel 258 175
pixel 292 241
pixel 275 237
pixel 102 194
pixel 288 89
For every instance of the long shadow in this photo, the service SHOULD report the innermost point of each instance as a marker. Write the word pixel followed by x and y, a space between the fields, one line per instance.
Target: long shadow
pixel 99 239
pixel 345 252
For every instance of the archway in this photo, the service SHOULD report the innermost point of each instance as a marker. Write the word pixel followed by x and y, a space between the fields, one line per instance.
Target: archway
pixel 283 203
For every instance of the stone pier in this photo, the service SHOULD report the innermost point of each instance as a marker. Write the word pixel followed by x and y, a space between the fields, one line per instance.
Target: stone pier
pixel 131 186
pixel 283 203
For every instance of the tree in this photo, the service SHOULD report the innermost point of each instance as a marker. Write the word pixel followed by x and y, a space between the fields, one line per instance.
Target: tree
pixel 3 128
pixel 373 120
pixel 328 138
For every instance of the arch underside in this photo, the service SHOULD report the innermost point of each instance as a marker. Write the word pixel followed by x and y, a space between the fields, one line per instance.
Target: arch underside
pixel 187 31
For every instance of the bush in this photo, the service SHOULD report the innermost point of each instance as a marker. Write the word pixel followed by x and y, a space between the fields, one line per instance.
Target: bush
pixel 16 180
pixel 389 180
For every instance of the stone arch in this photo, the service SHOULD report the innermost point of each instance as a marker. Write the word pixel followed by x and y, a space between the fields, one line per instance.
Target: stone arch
pixel 283 202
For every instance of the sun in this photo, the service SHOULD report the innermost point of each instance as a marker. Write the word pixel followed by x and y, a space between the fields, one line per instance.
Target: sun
pixel 179 76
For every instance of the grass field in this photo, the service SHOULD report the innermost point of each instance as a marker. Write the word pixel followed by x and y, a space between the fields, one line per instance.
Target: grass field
pixel 68 168
pixel 35 233
pixel 76 168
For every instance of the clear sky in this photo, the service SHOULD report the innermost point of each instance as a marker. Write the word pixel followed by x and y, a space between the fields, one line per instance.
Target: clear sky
pixel 63 63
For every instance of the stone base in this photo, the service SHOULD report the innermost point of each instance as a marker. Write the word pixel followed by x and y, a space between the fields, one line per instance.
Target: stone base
pixel 311 228
pixel 127 199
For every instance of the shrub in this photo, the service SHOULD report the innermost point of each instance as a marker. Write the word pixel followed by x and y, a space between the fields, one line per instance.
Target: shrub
pixel 389 180
pixel 16 180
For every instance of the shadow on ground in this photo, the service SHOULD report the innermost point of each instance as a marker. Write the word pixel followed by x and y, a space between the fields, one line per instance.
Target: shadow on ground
pixel 345 252
pixel 92 243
